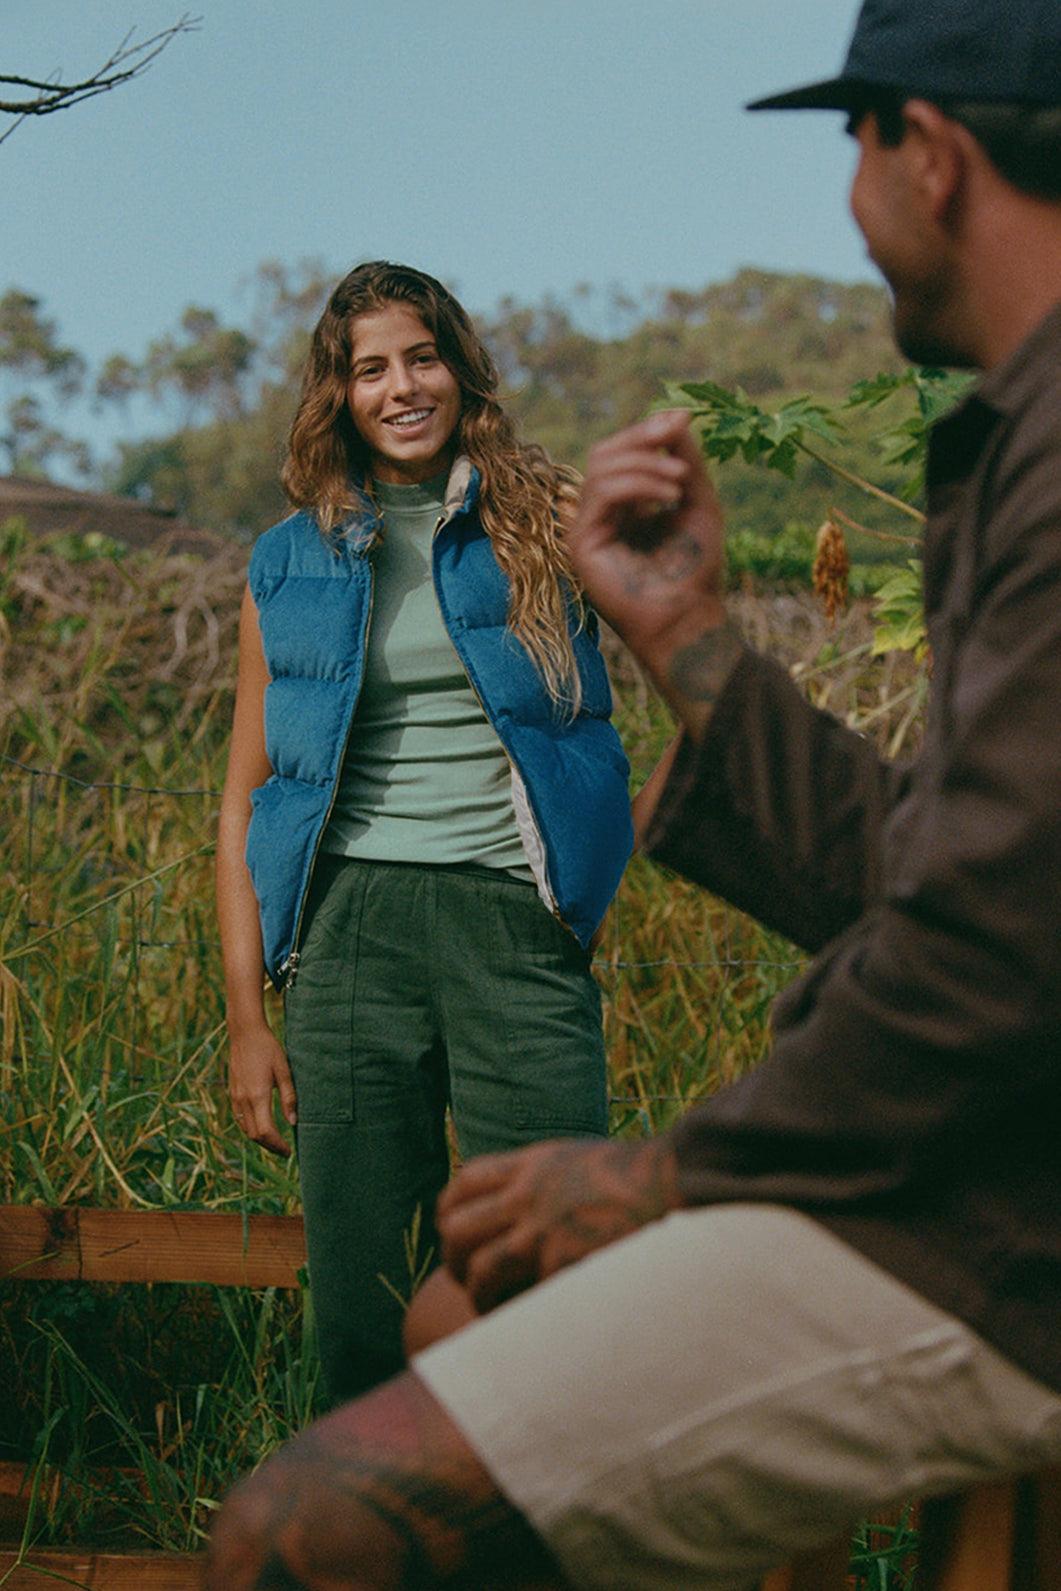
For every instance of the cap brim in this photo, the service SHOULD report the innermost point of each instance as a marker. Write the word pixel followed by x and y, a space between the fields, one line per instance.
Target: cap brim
pixel 839 93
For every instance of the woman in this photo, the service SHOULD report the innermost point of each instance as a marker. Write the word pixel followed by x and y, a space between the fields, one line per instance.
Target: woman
pixel 425 814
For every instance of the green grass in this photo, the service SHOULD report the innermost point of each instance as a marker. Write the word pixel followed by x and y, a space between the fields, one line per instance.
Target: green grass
pixel 142 1405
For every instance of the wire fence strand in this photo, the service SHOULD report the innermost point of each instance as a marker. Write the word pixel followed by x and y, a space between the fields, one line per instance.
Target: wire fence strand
pixel 131 892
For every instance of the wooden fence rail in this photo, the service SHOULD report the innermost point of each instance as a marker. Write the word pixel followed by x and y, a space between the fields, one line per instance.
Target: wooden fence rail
pixel 81 1244
pixel 101 1571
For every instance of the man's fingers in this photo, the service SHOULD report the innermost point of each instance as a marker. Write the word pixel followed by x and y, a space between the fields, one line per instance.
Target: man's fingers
pixel 478 1207
pixel 666 472
pixel 484 1174
pixel 466 1226
pixel 466 1229
pixel 665 429
pixel 498 1271
pixel 637 484
pixel 699 486
pixel 605 461
pixel 681 461
pixel 672 448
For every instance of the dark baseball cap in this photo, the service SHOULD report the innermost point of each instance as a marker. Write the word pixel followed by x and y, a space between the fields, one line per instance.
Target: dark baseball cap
pixel 995 51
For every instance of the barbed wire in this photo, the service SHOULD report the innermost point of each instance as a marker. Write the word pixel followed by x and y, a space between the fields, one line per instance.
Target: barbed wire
pixel 606 966
pixel 97 784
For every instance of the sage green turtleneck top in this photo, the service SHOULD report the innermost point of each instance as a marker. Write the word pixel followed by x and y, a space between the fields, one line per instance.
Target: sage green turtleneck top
pixel 424 778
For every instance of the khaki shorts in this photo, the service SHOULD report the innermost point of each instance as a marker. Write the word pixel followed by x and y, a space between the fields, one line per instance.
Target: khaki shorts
pixel 689 1407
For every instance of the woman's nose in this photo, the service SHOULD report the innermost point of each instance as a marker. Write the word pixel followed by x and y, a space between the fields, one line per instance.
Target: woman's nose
pixel 402 380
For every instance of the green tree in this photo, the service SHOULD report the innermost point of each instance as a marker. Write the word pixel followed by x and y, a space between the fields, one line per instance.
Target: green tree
pixel 208 367
pixel 572 369
pixel 33 361
pixel 235 390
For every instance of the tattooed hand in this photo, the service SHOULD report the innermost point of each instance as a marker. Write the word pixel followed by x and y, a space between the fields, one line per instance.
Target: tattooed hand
pixel 647 544
pixel 510 1220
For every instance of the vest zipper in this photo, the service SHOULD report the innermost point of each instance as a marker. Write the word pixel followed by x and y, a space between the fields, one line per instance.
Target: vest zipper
pixel 288 968
pixel 552 906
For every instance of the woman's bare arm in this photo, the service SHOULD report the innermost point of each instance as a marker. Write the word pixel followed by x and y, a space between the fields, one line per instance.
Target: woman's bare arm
pixel 257 1063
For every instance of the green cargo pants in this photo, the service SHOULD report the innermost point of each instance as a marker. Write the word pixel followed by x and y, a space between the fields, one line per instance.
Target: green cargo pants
pixel 418 987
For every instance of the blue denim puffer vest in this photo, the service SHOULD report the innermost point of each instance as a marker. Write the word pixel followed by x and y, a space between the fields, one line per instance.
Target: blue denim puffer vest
pixel 314 599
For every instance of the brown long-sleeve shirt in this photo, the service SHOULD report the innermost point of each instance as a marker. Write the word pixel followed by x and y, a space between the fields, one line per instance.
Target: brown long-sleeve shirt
pixel 912 1099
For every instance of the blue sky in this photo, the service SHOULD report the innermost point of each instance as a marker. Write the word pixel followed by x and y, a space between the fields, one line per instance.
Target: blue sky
pixel 509 146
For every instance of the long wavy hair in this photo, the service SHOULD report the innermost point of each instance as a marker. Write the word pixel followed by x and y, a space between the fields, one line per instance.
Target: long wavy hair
pixel 524 498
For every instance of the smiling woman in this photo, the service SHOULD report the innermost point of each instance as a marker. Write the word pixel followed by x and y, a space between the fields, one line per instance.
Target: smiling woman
pixel 405 403
pixel 425 814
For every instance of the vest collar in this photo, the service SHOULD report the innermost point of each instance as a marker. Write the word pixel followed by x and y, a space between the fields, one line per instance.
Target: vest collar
pixel 362 526
pixel 462 488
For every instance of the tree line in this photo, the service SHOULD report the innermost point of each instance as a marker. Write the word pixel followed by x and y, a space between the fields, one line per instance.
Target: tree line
pixel 573 369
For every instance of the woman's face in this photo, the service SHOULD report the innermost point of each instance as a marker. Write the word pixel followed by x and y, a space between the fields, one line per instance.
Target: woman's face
pixel 403 400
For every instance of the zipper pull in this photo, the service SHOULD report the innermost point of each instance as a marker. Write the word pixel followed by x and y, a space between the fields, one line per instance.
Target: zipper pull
pixel 288 970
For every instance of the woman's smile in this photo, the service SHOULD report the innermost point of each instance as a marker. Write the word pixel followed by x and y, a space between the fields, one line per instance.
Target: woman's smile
pixel 409 420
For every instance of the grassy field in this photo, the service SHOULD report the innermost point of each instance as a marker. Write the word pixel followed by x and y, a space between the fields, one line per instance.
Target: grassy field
pixel 141 1404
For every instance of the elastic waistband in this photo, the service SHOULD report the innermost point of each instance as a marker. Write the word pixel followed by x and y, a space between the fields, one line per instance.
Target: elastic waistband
pixel 334 862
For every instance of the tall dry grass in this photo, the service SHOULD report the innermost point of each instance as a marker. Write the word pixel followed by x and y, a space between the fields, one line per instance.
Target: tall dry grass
pixel 117 689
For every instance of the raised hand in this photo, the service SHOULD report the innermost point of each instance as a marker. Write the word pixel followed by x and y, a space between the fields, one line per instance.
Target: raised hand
pixel 647 544
pixel 510 1220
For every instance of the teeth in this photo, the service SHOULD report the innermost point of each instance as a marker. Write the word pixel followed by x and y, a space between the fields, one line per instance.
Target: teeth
pixel 412 418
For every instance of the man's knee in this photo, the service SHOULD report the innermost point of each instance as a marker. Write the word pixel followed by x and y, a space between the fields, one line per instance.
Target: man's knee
pixel 438 1309
pixel 383 1492
pixel 238 1551
pixel 267 1533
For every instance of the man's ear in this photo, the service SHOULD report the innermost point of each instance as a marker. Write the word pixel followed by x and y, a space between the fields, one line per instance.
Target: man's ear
pixel 936 158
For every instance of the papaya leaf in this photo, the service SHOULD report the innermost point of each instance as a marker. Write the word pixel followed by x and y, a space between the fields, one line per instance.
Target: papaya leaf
pixel 898 614
pixel 939 390
pixel 876 389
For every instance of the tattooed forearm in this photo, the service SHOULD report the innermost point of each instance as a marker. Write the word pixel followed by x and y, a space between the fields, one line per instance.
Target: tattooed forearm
pixel 697 673
pixel 701 669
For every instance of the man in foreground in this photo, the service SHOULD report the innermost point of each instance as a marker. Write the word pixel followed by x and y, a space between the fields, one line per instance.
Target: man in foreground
pixel 838 1283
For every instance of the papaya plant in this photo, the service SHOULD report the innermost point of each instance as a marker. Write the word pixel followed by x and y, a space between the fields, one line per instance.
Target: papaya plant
pixel 731 425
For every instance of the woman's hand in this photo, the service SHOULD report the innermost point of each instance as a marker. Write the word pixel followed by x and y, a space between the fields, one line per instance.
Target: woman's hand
pixel 508 1221
pixel 257 1066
